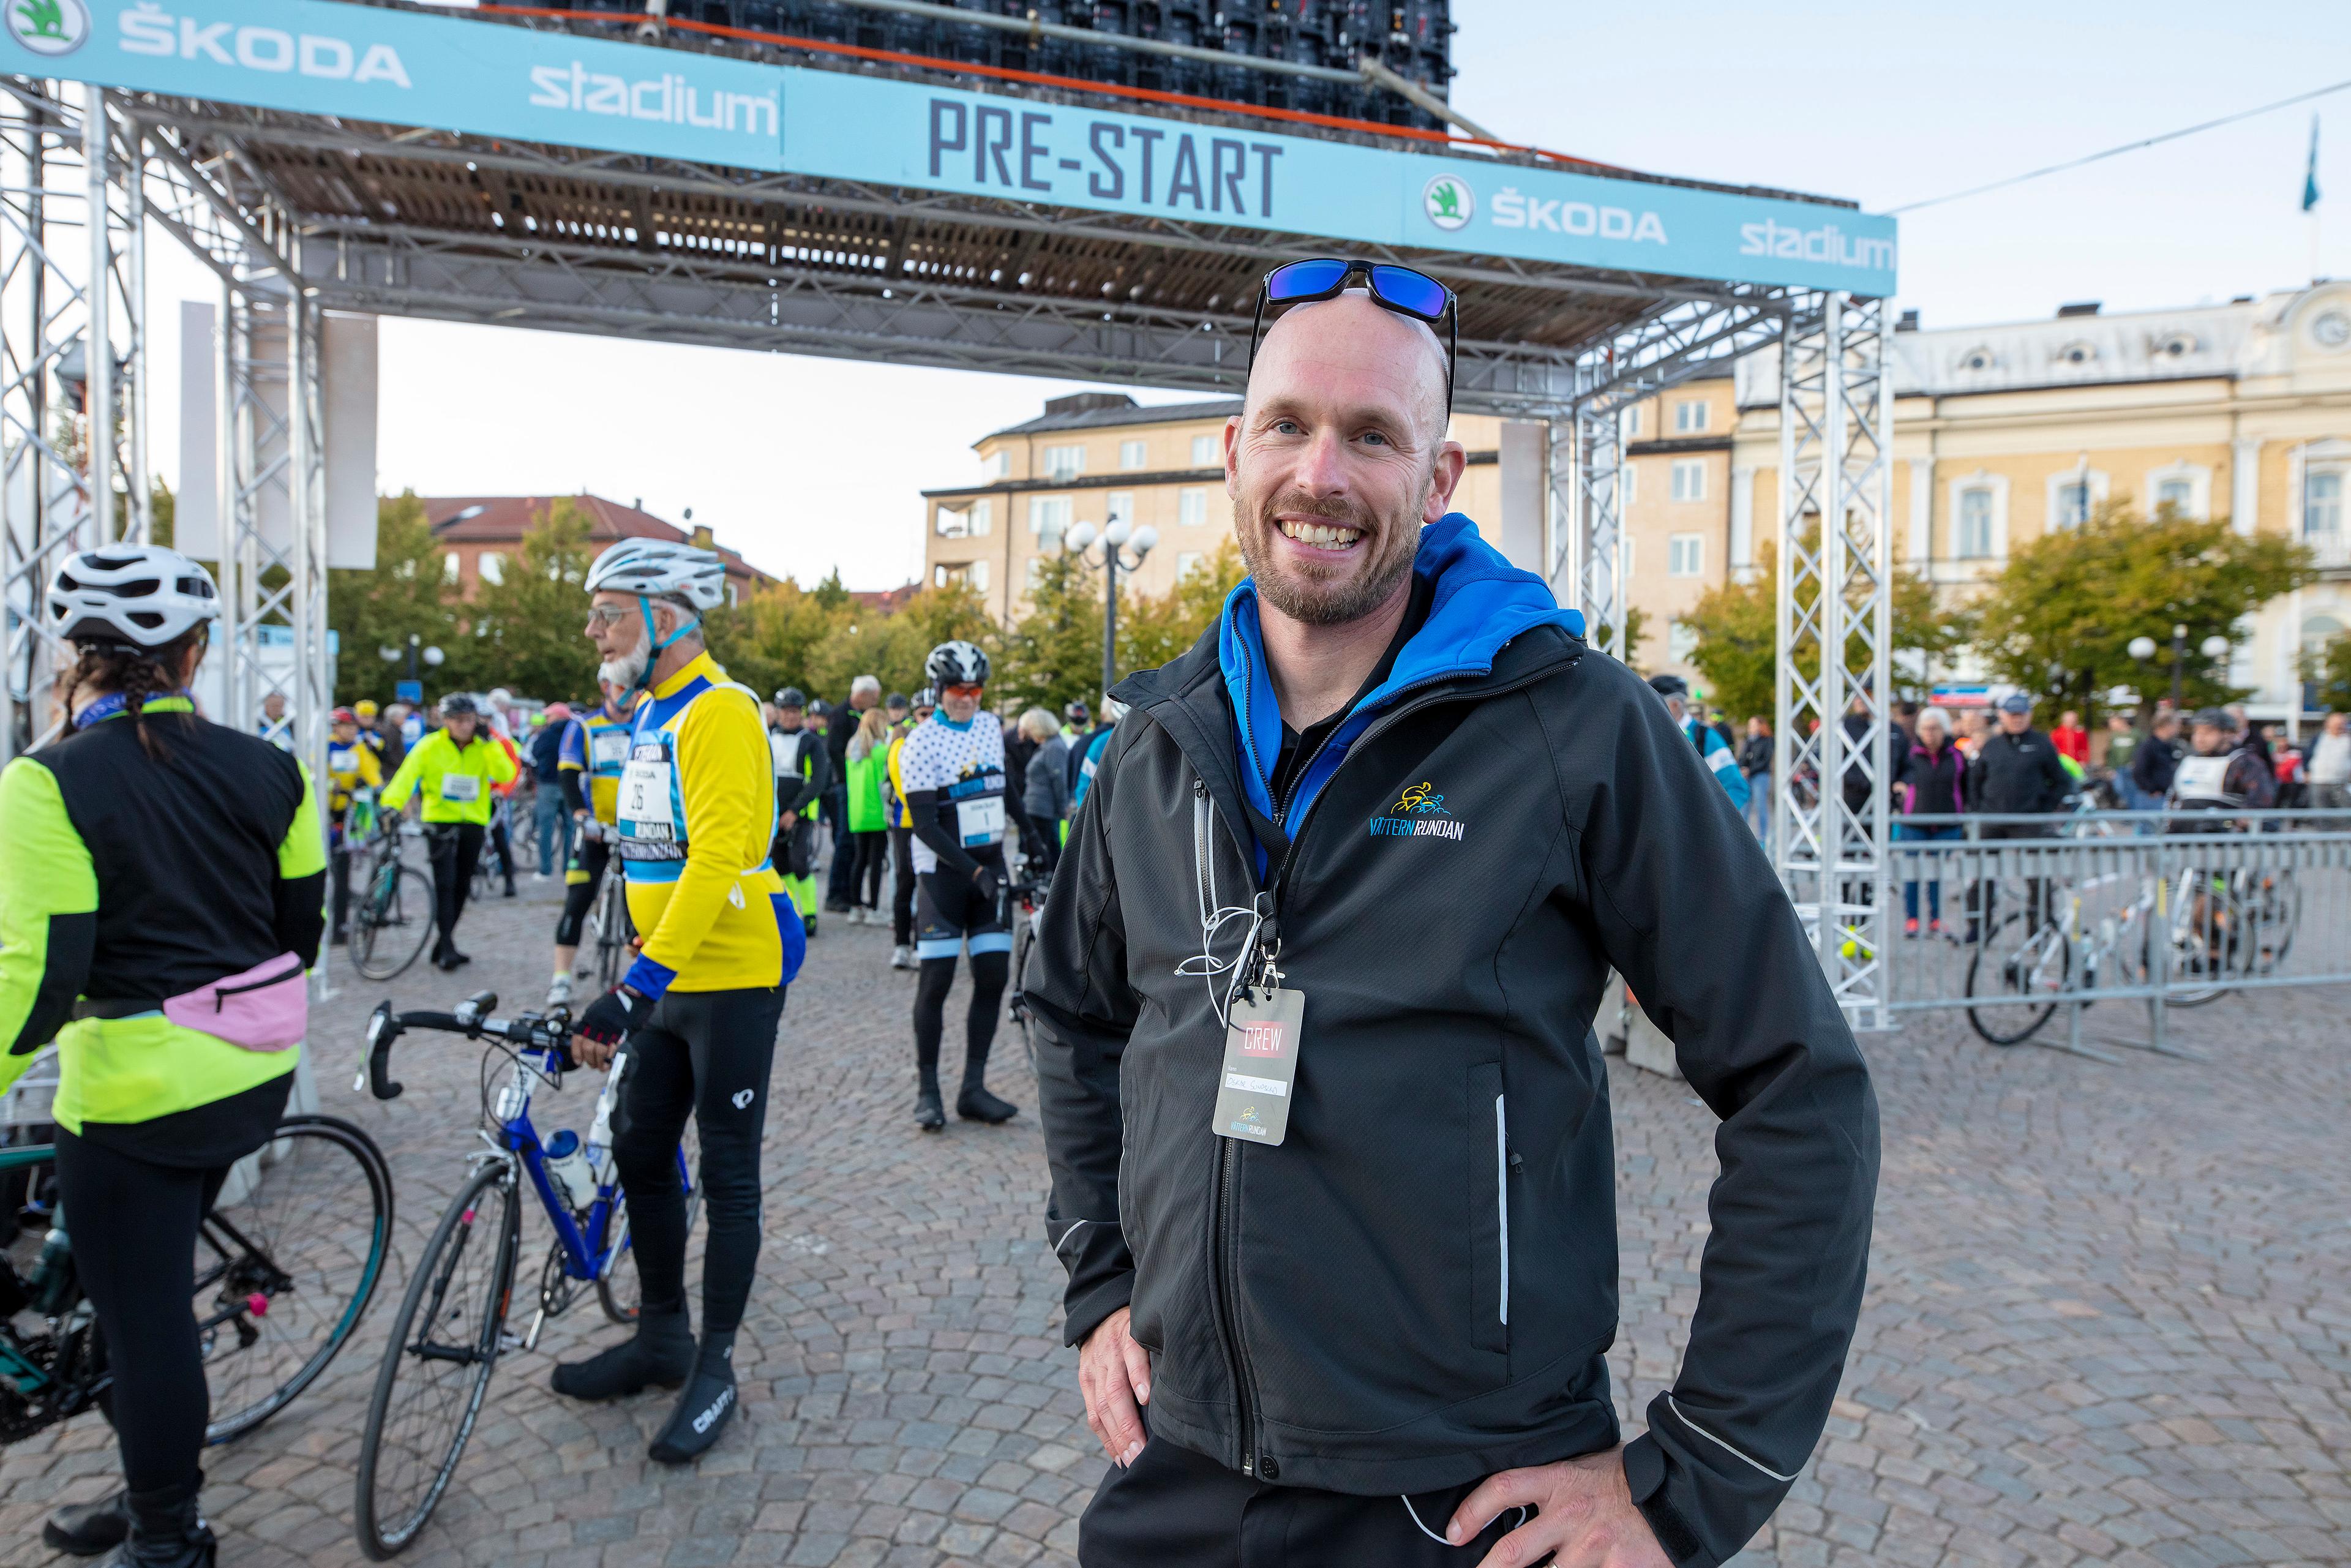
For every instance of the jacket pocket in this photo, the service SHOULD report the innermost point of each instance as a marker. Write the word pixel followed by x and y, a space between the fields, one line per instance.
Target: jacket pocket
pixel 1489 1165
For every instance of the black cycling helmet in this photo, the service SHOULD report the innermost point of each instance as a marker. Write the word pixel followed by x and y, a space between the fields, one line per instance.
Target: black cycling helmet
pixel 791 697
pixel 457 702
pixel 895 700
pixel 956 664
pixel 1669 686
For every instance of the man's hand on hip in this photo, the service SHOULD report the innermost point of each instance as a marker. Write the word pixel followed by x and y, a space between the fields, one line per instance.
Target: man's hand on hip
pixel 1584 1512
pixel 1115 1378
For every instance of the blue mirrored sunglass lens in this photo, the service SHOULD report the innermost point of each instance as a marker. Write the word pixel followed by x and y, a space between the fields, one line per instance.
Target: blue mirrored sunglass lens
pixel 1414 292
pixel 1301 278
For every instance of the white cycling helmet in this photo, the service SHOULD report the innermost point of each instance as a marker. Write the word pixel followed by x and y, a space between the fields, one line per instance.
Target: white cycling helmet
pixel 145 595
pixel 661 568
pixel 956 664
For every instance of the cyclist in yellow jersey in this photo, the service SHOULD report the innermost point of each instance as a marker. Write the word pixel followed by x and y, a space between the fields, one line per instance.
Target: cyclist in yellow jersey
pixel 698 1012
pixel 351 767
pixel 455 769
pixel 594 750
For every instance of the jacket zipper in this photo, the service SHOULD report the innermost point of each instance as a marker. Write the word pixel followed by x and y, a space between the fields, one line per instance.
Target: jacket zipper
pixel 1227 1215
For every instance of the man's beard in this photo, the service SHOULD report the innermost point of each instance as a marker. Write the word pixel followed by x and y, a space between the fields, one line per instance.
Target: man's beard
pixel 1326 597
pixel 628 671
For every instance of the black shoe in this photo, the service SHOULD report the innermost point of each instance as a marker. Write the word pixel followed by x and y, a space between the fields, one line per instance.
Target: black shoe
pixel 702 1410
pixel 660 1354
pixel 86 1529
pixel 977 1104
pixel 459 960
pixel 166 1535
pixel 930 1115
pixel 340 937
pixel 809 924
pixel 510 890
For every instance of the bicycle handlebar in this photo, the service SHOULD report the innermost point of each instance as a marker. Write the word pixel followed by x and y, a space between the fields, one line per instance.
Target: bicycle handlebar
pixel 543 1032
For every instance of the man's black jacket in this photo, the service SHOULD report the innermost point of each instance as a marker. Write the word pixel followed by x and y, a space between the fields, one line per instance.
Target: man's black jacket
pixel 1416 1289
pixel 2017 773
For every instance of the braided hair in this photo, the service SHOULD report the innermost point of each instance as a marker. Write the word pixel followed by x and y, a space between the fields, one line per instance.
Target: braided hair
pixel 138 675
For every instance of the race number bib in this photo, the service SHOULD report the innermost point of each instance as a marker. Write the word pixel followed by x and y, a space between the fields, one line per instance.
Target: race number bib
pixel 608 749
pixel 980 821
pixel 645 793
pixel 460 788
pixel 2203 779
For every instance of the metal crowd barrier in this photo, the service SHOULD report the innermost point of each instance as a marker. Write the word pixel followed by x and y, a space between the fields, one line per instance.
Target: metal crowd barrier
pixel 2044 917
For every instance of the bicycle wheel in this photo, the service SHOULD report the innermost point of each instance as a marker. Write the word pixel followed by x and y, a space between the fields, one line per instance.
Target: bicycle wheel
pixel 443 1347
pixel 2017 960
pixel 618 1290
pixel 393 920
pixel 287 1259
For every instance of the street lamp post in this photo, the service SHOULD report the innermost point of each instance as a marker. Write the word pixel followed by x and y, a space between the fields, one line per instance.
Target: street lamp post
pixel 1115 537
pixel 2215 647
pixel 415 648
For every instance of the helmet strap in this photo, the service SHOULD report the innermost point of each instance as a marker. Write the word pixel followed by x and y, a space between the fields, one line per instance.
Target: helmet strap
pixel 655 643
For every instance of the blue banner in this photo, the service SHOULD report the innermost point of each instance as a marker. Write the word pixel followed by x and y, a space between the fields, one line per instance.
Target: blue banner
pixel 484 79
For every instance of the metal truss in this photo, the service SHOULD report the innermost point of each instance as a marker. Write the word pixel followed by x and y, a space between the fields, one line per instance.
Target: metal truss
pixel 1834 634
pixel 73 452
pixel 269 503
pixel 1677 342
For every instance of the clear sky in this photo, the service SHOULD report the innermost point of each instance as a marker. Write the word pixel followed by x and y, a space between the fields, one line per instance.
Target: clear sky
pixel 806 464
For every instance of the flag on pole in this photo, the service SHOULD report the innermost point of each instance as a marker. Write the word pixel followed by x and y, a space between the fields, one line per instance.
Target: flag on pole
pixel 2310 176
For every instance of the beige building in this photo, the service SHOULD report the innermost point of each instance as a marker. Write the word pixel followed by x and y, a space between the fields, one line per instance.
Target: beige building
pixel 2240 410
pixel 1097 457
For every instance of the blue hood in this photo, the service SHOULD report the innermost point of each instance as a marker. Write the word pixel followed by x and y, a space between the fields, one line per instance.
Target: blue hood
pixel 1481 603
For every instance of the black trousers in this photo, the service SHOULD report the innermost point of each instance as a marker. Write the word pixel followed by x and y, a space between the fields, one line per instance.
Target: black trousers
pixel 794 851
pixel 455 848
pixel 839 889
pixel 704 1054
pixel 339 881
pixel 1985 893
pixel 866 881
pixel 1175 1509
pixel 127 1214
pixel 901 894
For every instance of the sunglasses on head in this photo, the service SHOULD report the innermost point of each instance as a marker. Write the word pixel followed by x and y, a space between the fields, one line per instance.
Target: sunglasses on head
pixel 1392 288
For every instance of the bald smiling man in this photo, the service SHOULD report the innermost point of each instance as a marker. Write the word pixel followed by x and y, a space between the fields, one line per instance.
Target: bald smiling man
pixel 1332 1163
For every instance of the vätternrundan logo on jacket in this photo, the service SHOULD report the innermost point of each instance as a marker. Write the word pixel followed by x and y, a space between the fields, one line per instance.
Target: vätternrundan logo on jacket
pixel 1418 814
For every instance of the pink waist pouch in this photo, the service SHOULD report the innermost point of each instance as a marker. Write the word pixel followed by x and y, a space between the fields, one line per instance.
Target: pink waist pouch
pixel 267 1008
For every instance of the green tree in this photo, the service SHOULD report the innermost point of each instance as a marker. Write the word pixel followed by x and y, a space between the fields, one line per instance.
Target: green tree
pixel 2060 617
pixel 2329 672
pixel 1738 633
pixel 403 593
pixel 1052 654
pixel 1155 631
pixel 527 628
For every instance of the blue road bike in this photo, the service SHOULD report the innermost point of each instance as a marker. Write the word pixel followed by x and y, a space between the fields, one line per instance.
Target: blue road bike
pixel 451 1326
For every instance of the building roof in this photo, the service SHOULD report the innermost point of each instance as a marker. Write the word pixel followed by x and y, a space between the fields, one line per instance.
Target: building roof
pixel 504 519
pixel 2081 347
pixel 1102 414
pixel 884 601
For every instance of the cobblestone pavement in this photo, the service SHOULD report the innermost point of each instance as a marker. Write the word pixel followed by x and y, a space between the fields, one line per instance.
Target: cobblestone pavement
pixel 2107 1319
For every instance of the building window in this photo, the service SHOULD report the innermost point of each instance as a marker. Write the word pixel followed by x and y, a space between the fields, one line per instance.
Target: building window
pixel 1064 462
pixel 734 594
pixel 953 525
pixel 1036 571
pixel 1975 524
pixel 450 568
pixel 1192 507
pixel 1633 423
pixel 946 572
pixel 1681 642
pixel 2073 503
pixel 2177 494
pixel 995 465
pixel 1131 454
pixel 1689 479
pixel 1048 514
pixel 1203 452
pixel 2322 506
pixel 1689 417
pixel 1686 555
pixel 983 516
pixel 979 575
pixel 1120 508
pixel 1186 563
pixel 1628 482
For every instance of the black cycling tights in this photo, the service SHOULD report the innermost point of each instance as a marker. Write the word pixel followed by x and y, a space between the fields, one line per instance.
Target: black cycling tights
pixel 704 1054
pixel 455 848
pixel 988 973
pixel 578 897
pixel 125 1214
